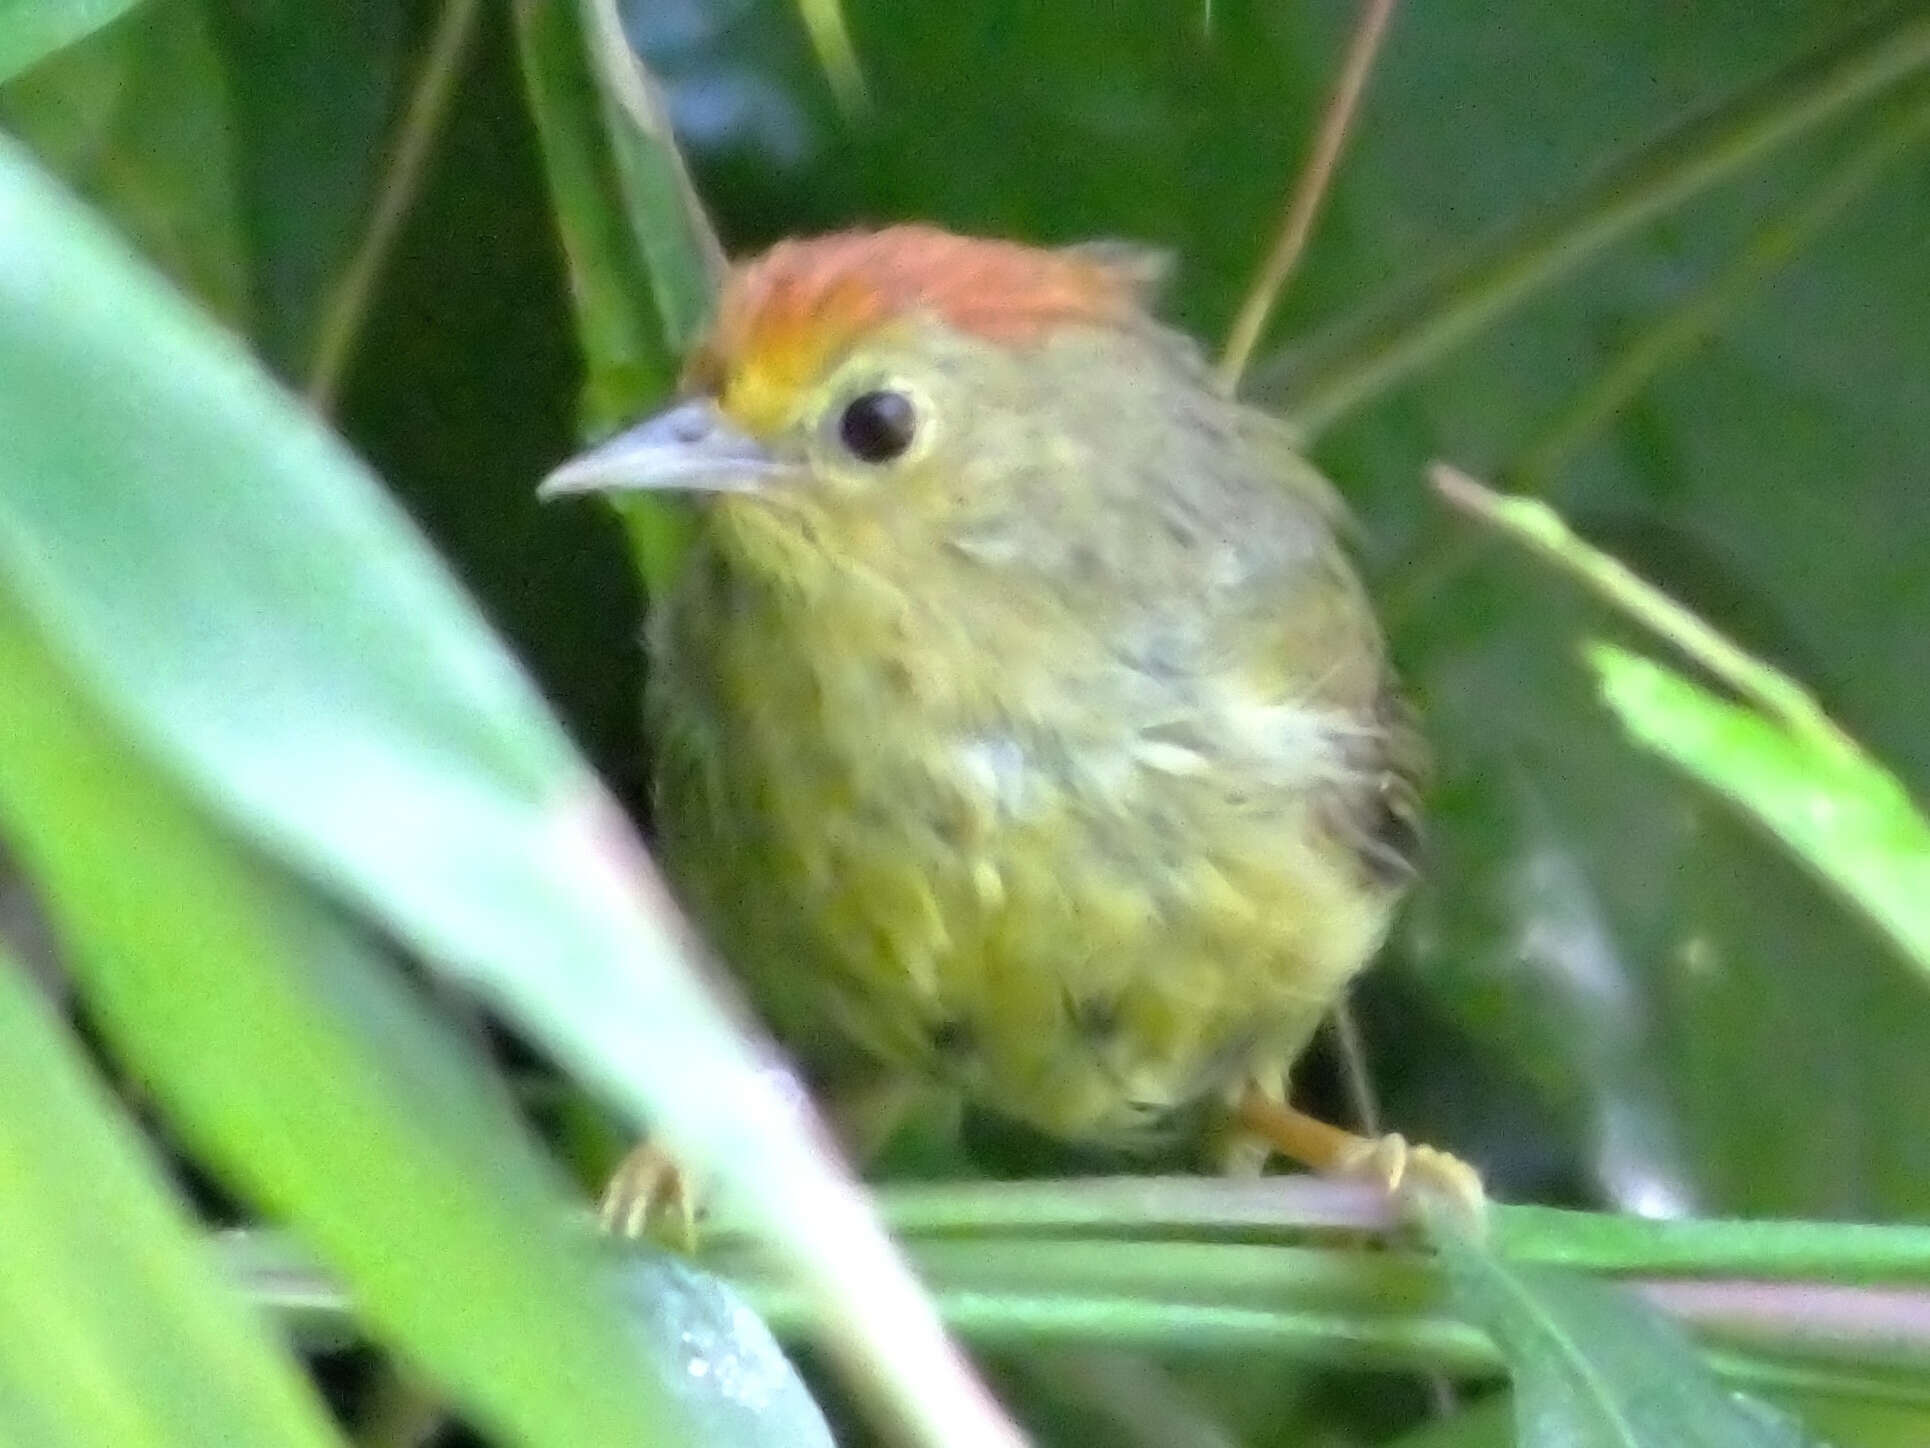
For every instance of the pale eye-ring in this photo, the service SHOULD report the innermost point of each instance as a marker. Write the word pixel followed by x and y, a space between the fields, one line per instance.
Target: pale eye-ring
pixel 878 426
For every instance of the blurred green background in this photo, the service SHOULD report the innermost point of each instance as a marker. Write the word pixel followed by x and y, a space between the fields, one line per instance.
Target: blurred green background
pixel 1612 990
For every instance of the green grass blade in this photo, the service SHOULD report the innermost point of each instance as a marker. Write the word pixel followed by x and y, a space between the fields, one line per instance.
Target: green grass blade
pixel 1782 760
pixel 668 226
pixel 1846 817
pixel 1843 1252
pixel 114 1330
pixel 236 592
pixel 830 32
pixel 643 259
pixel 628 358
pixel 303 1069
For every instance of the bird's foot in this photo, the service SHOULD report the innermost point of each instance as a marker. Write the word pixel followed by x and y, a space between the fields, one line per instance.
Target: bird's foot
pixel 1418 1179
pixel 1415 1176
pixel 650 1197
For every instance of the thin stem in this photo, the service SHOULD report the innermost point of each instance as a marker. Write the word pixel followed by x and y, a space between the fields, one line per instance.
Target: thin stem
pixel 1364 355
pixel 1857 1324
pixel 348 304
pixel 1530 521
pixel 824 21
pixel 1780 1250
pixel 1289 1205
pixel 1355 1073
pixel 1344 1306
pixel 1688 326
pixel 1309 190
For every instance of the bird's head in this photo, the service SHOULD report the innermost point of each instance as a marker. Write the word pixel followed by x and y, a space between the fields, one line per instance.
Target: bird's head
pixel 910 376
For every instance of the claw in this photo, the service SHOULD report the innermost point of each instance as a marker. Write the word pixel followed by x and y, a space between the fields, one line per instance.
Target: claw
pixel 1418 1179
pixel 651 1197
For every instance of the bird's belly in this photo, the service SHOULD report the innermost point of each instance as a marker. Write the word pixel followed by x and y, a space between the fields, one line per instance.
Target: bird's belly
pixel 1072 936
pixel 1089 972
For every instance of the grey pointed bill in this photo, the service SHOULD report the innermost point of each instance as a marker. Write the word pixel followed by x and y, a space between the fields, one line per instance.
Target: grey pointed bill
pixel 689 448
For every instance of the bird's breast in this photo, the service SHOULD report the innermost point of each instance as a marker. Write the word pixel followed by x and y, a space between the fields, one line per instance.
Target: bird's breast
pixel 958 846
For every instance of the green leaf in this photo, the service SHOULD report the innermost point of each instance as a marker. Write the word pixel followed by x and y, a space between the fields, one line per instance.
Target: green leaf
pixel 628 361
pixel 1594 1369
pixel 113 1328
pixel 140 120
pixel 644 262
pixel 236 144
pixel 1738 1028
pixel 31 30
pixel 328 692
pixel 304 1069
pixel 1848 818
pixel 668 227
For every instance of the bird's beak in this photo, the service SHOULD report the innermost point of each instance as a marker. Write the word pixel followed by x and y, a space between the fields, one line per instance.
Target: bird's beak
pixel 691 448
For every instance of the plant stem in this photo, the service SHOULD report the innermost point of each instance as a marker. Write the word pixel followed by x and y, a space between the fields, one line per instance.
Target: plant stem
pixel 1364 355
pixel 824 21
pixel 1350 1306
pixel 1686 327
pixel 348 304
pixel 1530 521
pixel 1309 190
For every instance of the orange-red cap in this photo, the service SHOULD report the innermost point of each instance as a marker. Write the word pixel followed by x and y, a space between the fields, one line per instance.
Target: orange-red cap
pixel 786 315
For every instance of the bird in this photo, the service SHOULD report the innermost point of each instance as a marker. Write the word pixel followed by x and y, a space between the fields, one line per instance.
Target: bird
pixel 1021 729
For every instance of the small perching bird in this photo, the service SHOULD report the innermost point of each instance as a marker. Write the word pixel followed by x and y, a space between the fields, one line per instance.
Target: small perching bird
pixel 1020 724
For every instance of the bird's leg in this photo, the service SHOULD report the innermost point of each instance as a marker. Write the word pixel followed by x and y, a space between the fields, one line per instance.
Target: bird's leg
pixel 1403 1170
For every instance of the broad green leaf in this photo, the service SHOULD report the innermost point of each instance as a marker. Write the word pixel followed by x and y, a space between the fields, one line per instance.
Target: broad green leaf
pixel 31 30
pixel 305 1071
pixel 1593 1369
pixel 114 1330
pixel 328 692
pixel 1844 815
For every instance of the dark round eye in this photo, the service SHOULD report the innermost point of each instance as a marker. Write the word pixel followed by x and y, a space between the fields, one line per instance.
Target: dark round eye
pixel 878 426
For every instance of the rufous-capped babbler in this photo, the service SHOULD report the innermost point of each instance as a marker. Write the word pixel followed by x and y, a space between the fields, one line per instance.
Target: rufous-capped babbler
pixel 1019 723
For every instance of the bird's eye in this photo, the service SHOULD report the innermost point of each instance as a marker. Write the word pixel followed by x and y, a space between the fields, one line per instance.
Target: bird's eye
pixel 878 426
